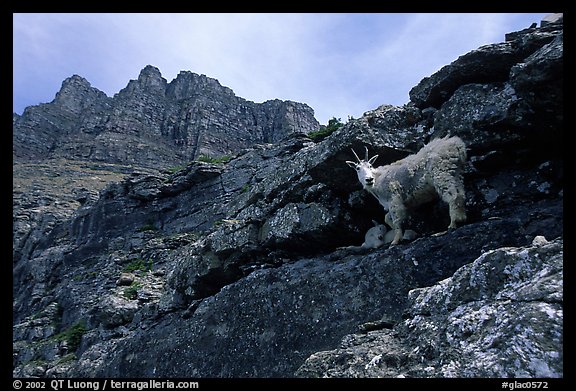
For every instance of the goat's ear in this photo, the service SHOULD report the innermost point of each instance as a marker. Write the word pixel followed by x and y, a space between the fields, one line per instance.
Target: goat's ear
pixel 375 223
pixel 351 164
pixel 372 159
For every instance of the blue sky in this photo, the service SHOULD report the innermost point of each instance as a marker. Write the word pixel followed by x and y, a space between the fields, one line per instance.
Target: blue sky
pixel 340 64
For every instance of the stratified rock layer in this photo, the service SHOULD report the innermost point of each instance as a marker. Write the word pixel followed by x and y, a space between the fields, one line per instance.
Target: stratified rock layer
pixel 153 123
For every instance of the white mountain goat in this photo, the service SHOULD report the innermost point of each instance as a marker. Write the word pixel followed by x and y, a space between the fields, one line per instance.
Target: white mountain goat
pixel 374 237
pixel 436 170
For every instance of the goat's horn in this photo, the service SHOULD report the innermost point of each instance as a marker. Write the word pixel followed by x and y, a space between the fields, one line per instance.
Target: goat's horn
pixel 366 153
pixel 359 161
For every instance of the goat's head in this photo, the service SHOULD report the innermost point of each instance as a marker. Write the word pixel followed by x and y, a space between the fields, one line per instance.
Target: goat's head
pixel 364 169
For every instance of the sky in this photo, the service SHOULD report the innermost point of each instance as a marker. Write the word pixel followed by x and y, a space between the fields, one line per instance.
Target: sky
pixel 341 65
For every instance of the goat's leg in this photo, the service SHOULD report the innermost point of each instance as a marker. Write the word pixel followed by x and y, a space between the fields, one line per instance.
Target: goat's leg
pixel 457 212
pixel 397 232
pixel 451 190
pixel 395 218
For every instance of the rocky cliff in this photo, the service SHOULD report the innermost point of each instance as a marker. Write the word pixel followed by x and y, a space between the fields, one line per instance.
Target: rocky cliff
pixel 236 269
pixel 153 123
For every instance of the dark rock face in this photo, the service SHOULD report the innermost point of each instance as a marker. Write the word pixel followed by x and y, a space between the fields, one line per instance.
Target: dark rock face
pixel 488 64
pixel 40 129
pixel 499 316
pixel 236 270
pixel 278 308
pixel 153 123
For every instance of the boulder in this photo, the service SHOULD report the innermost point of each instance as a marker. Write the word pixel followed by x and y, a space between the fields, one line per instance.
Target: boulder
pixel 500 316
pixel 487 64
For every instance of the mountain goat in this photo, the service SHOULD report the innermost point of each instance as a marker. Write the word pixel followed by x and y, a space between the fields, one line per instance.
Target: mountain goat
pixel 377 236
pixel 374 237
pixel 436 170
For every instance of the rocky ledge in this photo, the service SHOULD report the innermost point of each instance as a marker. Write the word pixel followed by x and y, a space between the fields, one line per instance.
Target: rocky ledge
pixel 499 316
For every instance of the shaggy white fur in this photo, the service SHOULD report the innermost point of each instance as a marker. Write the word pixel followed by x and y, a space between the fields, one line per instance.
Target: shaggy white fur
pixel 436 170
pixel 375 237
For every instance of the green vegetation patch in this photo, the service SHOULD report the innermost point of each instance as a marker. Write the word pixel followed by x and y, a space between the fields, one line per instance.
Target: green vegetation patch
pixel 333 125
pixel 175 169
pixel 66 359
pixel 84 276
pixel 72 335
pixel 148 227
pixel 214 160
pixel 131 293
pixel 138 264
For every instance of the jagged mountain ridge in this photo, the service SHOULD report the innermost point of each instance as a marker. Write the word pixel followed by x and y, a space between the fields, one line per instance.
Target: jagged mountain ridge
pixel 233 270
pixel 153 123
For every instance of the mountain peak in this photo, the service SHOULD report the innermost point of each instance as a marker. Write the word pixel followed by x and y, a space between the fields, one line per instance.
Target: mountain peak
pixel 187 84
pixel 72 85
pixel 152 122
pixel 151 79
pixel 76 79
pixel 76 94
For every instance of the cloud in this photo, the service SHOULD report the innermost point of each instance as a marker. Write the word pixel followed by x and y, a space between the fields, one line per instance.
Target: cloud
pixel 339 64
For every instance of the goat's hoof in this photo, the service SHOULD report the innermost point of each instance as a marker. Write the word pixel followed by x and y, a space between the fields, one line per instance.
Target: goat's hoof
pixel 439 234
